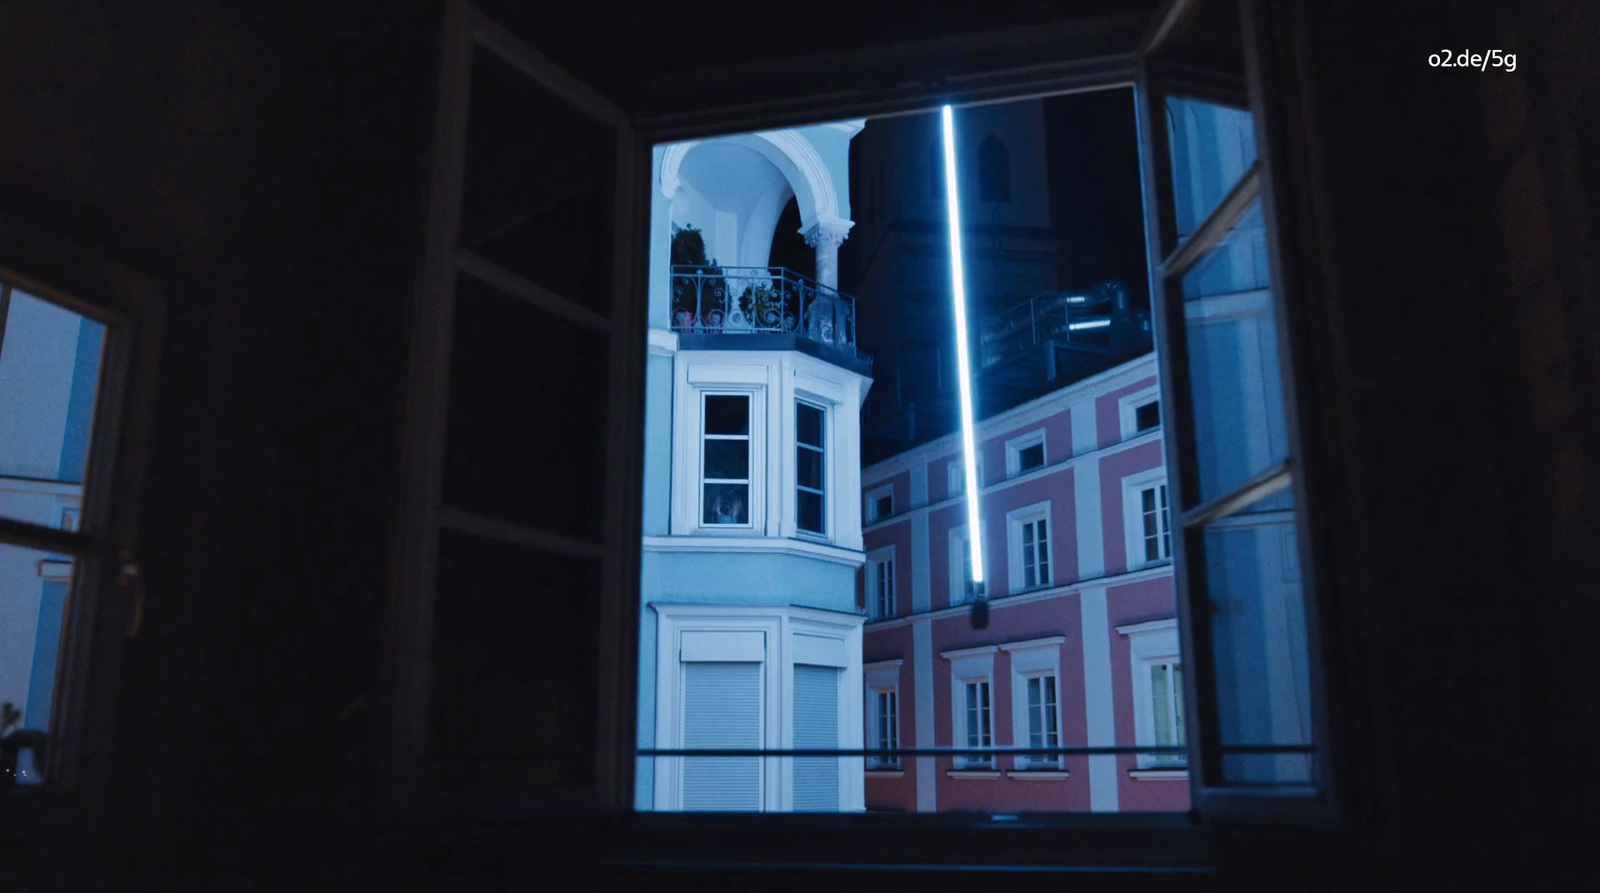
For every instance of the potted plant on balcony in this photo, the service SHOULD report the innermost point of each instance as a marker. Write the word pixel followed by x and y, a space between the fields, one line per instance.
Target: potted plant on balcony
pixel 699 293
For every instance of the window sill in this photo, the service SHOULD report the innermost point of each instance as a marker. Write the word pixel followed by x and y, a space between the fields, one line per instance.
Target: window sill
pixel 1038 774
pixel 972 773
pixel 1159 774
pixel 885 773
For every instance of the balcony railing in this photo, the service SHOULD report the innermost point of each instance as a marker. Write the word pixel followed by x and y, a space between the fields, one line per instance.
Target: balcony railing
pixel 1046 317
pixel 762 301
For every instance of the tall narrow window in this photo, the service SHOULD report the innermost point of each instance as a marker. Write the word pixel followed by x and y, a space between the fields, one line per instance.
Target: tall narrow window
pixel 880 583
pixel 1043 728
pixel 885 728
pixel 975 725
pixel 726 460
pixel 994 170
pixel 1153 520
pixel 1166 710
pixel 810 468
pixel 1030 547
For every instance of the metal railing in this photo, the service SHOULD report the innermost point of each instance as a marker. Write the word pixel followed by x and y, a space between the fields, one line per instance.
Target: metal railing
pixel 761 300
pixel 1045 317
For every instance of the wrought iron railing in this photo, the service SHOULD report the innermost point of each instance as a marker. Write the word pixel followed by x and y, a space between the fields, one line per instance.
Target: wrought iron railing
pixel 761 300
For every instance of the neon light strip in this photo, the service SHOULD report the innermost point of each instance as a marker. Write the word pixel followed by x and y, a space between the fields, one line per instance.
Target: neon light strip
pixel 1092 324
pixel 964 366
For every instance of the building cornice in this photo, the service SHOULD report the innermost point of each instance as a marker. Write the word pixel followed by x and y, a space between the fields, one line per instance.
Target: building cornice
pixel 1008 601
pixel 755 545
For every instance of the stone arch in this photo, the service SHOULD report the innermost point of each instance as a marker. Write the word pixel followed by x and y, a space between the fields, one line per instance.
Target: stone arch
pixel 791 153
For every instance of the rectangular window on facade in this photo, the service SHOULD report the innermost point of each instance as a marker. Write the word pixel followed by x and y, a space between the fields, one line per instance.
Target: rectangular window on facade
pixel 957 476
pixel 1043 722
pixel 1146 416
pixel 816 725
pixel 961 584
pixel 880 584
pixel 810 468
pixel 1030 548
pixel 722 708
pixel 1153 523
pixel 885 728
pixel 1024 454
pixel 879 504
pixel 1166 710
pixel 725 466
pixel 974 725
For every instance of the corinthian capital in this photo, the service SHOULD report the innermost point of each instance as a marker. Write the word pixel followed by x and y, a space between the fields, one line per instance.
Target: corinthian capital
pixel 829 231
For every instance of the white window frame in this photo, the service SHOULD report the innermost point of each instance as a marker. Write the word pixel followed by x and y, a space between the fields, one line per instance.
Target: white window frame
pixel 877 560
pixel 1016 445
pixel 751 465
pixel 958 558
pixel 967 666
pixel 1133 516
pixel 955 481
pixel 1016 571
pixel 1128 407
pixel 826 408
pixel 883 677
pixel 869 508
pixel 1034 659
pixel 780 637
pixel 1149 644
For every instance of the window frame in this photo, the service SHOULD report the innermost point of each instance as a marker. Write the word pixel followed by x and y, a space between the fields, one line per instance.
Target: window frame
pixel 107 595
pixel 825 409
pixel 1128 407
pixel 1149 644
pixel 1018 520
pixel 1015 447
pixel 1133 487
pixel 1035 659
pixel 960 554
pixel 878 678
pixel 752 461
pixel 955 476
pixel 869 508
pixel 877 560
pixel 971 666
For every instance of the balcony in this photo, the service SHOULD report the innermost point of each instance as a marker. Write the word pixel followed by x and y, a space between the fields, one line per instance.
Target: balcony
pixel 738 308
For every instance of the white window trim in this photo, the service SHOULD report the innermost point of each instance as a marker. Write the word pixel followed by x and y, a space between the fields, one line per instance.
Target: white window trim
pixel 1150 643
pixel 752 466
pixel 1014 520
pixel 829 442
pixel 958 549
pixel 1133 515
pixel 955 487
pixel 869 510
pixel 1016 445
pixel 787 636
pixel 1128 405
pixel 875 558
pixel 880 677
pixel 1032 659
pixel 968 665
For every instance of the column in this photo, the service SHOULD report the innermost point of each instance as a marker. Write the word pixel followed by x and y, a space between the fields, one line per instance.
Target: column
pixel 827 320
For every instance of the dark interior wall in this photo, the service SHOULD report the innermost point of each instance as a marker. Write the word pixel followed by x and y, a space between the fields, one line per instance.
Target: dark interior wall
pixel 266 163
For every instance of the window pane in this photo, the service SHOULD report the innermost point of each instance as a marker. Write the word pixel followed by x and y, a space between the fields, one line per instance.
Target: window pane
pixel 808 424
pixel 808 468
pixel 1030 457
pixel 526 430
pixel 1212 146
pixel 726 504
pixel 1235 382
pixel 727 414
pixel 727 459
pixel 885 507
pixel 514 684
pixel 809 511
pixel 537 185
pixel 50 361
pixel 33 595
pixel 1258 639
pixel 1147 416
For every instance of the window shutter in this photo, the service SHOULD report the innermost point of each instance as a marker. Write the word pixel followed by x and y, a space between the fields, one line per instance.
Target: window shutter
pixel 722 708
pixel 816 724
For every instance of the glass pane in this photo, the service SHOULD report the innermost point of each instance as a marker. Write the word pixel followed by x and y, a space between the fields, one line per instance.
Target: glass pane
pixel 537 185
pixel 727 459
pixel 528 395
pixel 1258 639
pixel 727 414
pixel 1031 457
pixel 808 424
pixel 33 595
pixel 808 468
pixel 1212 146
pixel 1147 416
pixel 726 504
pixel 1234 377
pixel 514 684
pixel 50 360
pixel 809 507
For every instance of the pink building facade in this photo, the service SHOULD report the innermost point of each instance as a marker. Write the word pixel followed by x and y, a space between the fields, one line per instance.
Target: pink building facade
pixel 1081 646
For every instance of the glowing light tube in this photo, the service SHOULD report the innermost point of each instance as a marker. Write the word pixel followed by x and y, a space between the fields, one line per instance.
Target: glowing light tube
pixel 963 364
